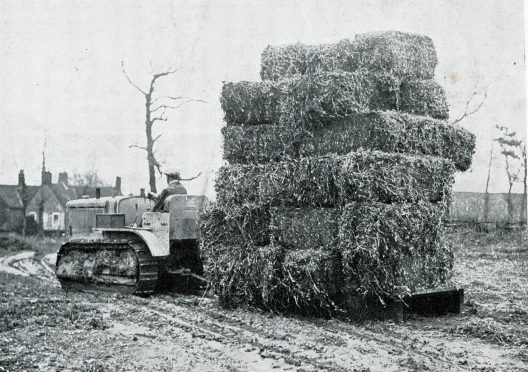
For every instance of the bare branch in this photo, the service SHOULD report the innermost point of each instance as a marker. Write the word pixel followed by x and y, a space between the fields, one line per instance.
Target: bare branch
pixel 158 119
pixel 156 138
pixel 174 98
pixel 157 164
pixel 161 107
pixel 192 178
pixel 151 67
pixel 467 111
pixel 178 105
pixel 129 80
pixel 171 70
pixel 138 147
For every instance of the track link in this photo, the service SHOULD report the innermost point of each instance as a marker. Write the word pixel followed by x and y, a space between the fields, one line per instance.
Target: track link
pixel 142 282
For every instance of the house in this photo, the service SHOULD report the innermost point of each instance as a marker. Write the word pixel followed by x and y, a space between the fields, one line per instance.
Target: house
pixel 52 198
pixel 12 204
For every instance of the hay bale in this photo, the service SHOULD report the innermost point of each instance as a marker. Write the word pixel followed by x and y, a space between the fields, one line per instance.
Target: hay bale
pixel 388 131
pixel 329 181
pixel 423 97
pixel 241 225
pixel 305 228
pixel 393 178
pixel 389 245
pixel 401 54
pixel 311 280
pixel 308 100
pixel 260 143
pixel 245 275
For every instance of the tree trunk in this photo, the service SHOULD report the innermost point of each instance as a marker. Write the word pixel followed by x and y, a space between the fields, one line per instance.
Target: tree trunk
pixel 41 218
pixel 486 195
pixel 150 143
pixel 524 216
pixel 510 204
pixel 24 223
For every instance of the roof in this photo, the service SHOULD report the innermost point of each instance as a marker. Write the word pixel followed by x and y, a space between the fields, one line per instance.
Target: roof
pixel 11 196
pixel 65 193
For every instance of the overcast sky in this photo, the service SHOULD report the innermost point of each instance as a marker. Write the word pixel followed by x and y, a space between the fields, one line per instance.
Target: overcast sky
pixel 61 79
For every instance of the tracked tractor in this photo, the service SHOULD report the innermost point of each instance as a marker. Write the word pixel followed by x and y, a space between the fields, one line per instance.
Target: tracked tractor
pixel 118 244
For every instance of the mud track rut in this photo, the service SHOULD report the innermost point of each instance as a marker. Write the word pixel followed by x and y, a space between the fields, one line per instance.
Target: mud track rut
pixel 290 345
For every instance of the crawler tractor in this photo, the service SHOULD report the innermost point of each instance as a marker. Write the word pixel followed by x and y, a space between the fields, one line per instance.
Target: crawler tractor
pixel 118 244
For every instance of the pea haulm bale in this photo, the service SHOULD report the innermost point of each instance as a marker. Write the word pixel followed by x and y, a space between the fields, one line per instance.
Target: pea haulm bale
pixel 423 97
pixel 332 180
pixel 388 131
pixel 325 94
pixel 388 245
pixel 394 178
pixel 261 143
pixel 305 228
pixel 279 62
pixel 245 275
pixel 250 102
pixel 393 131
pixel 305 100
pixel 402 54
pixel 320 98
pixel 297 183
pixel 241 225
pixel 311 279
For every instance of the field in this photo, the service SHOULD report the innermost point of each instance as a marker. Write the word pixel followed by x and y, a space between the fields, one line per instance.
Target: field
pixel 42 328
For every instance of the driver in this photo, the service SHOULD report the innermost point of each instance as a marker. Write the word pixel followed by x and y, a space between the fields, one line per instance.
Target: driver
pixel 174 188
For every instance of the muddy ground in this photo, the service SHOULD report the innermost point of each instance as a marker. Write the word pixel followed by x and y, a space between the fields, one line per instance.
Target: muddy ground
pixel 42 328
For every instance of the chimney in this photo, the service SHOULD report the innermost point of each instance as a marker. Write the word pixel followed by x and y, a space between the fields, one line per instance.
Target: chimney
pixel 117 186
pixel 21 178
pixel 142 192
pixel 97 192
pixel 46 178
pixel 63 178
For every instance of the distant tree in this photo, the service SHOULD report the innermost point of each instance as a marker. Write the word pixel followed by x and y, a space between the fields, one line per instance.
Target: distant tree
pixel 156 107
pixel 89 178
pixel 524 165
pixel 24 197
pixel 512 150
pixel 486 194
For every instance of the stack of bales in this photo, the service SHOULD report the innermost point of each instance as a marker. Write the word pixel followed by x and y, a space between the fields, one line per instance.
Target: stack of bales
pixel 340 168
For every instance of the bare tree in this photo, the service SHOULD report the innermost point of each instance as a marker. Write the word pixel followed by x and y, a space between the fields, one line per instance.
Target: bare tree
pixel 156 107
pixel 474 103
pixel 89 178
pixel 511 148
